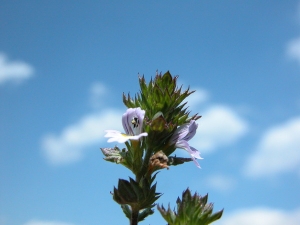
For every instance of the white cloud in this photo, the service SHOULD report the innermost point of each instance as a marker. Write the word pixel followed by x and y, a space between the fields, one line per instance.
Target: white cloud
pixel 293 46
pixel 261 216
pixel 74 139
pixel 14 71
pixel 277 151
pixel 219 126
pixel 97 91
pixel 293 49
pixel 199 96
pixel 221 182
pixel 39 222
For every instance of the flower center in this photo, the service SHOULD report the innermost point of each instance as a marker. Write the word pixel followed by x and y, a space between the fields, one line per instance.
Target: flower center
pixel 135 122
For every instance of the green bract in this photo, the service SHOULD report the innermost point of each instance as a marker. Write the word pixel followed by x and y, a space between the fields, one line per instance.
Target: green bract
pixel 140 196
pixel 191 210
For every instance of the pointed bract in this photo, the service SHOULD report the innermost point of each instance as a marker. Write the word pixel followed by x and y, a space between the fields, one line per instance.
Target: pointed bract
pixel 190 210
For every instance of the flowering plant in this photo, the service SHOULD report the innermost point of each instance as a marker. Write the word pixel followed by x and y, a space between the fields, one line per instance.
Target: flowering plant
pixel 156 123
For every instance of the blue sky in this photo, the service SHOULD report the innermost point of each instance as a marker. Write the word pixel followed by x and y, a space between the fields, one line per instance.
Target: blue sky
pixel 65 65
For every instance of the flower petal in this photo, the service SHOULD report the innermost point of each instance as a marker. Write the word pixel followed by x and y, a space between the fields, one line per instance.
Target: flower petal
pixel 195 161
pixel 194 153
pixel 132 121
pixel 191 130
pixel 185 132
pixel 136 137
pixel 117 136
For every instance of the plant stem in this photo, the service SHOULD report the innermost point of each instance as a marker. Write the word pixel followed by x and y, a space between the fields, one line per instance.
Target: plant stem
pixel 144 165
pixel 134 217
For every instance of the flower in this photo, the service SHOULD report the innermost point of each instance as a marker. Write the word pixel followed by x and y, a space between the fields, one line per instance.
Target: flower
pixel 132 121
pixel 181 137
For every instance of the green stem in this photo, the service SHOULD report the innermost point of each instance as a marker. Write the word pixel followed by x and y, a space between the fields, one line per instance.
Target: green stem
pixel 134 217
pixel 144 166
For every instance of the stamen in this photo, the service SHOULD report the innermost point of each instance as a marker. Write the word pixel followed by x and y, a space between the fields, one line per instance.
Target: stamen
pixel 135 121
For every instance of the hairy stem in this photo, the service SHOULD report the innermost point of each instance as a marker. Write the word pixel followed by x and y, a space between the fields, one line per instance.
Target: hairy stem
pixel 134 217
pixel 144 166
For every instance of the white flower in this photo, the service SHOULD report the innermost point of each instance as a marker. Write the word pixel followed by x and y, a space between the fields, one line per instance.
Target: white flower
pixel 132 121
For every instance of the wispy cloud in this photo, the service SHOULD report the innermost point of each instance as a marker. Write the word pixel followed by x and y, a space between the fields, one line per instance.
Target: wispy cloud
pixel 261 216
pixel 40 222
pixel 198 97
pixel 221 182
pixel 277 151
pixel 70 144
pixel 219 126
pixel 293 49
pixel 14 71
pixel 97 92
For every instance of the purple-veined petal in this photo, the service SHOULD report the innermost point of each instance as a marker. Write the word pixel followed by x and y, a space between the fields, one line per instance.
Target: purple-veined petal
pixel 185 132
pixel 132 121
pixel 195 161
pixel 185 145
pixel 126 124
pixel 182 144
pixel 191 130
pixel 181 137
pixel 179 133
pixel 194 153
